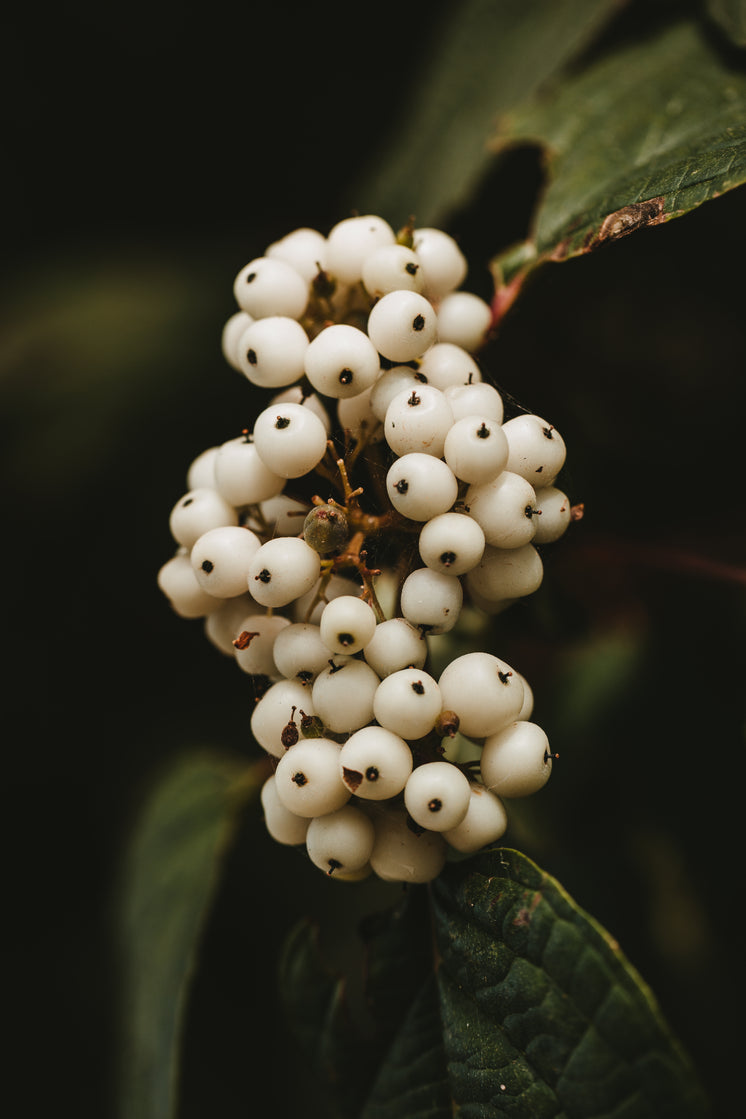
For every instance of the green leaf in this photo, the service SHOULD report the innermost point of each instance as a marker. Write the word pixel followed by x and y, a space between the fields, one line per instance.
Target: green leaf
pixel 731 17
pixel 528 1009
pixel 392 1055
pixel 542 1014
pixel 169 881
pixel 484 59
pixel 644 134
pixel 413 1081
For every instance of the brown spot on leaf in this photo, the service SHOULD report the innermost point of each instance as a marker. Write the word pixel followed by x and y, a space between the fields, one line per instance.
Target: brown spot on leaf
pixel 627 220
pixel 523 917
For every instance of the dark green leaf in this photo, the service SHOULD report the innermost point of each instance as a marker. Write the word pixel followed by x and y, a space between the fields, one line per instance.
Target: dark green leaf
pixel 485 58
pixel 731 16
pixel 397 1044
pixel 169 881
pixel 413 1082
pixel 542 1014
pixel 645 134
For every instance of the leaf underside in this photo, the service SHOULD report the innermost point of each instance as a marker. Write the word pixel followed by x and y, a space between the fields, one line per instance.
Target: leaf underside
pixel 531 1011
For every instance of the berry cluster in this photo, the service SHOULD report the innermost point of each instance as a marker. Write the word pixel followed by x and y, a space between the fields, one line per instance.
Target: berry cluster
pixel 330 603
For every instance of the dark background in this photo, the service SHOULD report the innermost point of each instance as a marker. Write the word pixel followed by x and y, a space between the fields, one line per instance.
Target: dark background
pixel 149 155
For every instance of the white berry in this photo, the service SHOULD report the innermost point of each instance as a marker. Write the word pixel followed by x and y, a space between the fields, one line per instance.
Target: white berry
pixel 396 644
pixel 341 361
pixel 282 570
pixel 485 821
pixel 420 486
pixel 307 778
pixel 483 691
pixel 290 439
pixel 267 286
pixel 340 840
pixel 402 325
pixel 437 796
pixel 347 624
pixel 408 702
pixel 375 763
pixel 343 694
pixel 516 761
pixel 432 600
pixel 464 319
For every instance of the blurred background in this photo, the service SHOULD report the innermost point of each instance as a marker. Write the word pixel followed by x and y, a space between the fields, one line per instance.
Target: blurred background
pixel 149 154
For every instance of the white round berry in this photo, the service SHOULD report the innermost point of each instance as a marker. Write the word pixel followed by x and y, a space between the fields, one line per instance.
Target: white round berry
pixel 197 512
pixel 255 639
pixel 464 319
pixel 451 543
pixel 484 823
pixel 240 475
pixel 284 826
pixel 483 691
pixel 528 699
pixel 201 472
pixel 274 711
pixel 446 365
pixel 417 421
pixel 294 394
pixel 350 243
pixel 282 516
pixel 304 249
pixel 290 439
pixel 178 582
pixel 309 607
pixel 436 796
pixel 408 702
pixel 516 761
pixel 390 383
pixel 307 778
pixel 505 574
pixel 267 286
pixel 553 514
pixel 341 840
pixel 476 449
pixel 221 558
pixel 375 763
pixel 341 361
pixel 505 510
pixel 356 415
pixel 481 399
pixel 282 570
pixel 232 333
pixel 343 694
pixel 300 653
pixel 536 450
pixel 432 600
pixel 402 325
pixel 222 626
pixel 402 855
pixel 420 486
pixel 347 624
pixel 396 644
pixel 391 268
pixel 444 266
pixel 271 352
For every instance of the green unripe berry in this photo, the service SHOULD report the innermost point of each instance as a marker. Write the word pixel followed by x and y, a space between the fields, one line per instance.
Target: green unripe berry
pixel 325 529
